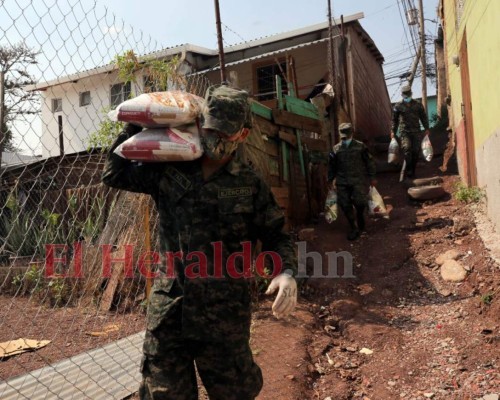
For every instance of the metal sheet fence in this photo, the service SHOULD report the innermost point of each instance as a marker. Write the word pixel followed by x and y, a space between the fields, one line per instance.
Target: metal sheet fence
pixel 60 74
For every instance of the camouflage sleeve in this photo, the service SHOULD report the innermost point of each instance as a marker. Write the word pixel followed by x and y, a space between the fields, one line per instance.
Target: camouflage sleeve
pixel 269 221
pixel 370 165
pixel 395 119
pixel 423 117
pixel 124 174
pixel 332 168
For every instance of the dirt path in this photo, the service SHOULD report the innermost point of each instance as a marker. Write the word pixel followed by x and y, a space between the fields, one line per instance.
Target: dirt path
pixel 430 338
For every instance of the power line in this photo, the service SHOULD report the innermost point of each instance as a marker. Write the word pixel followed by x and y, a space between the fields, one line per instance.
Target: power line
pixel 404 30
pixel 381 10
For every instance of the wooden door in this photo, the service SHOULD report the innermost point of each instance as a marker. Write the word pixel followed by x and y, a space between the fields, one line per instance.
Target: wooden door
pixel 471 173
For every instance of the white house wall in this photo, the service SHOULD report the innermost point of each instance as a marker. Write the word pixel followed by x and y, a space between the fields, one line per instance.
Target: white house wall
pixel 78 121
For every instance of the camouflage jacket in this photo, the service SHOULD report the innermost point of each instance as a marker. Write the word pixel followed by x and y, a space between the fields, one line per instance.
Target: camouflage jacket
pixel 350 165
pixel 407 117
pixel 233 206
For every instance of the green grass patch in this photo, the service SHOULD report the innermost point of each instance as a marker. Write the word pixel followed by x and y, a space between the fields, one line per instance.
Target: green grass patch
pixel 466 194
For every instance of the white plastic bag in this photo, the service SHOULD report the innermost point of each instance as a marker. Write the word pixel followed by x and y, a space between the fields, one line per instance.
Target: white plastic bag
pixel 427 148
pixel 163 144
pixel 393 153
pixel 159 109
pixel 331 207
pixel 376 206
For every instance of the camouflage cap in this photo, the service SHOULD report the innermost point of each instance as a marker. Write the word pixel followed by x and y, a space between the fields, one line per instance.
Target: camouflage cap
pixel 345 129
pixel 406 89
pixel 227 109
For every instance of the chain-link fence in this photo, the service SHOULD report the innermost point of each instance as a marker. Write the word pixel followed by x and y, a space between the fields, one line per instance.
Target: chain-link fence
pixel 63 65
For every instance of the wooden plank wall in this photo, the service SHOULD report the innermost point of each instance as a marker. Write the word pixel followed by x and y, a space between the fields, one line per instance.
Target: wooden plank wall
pixel 299 202
pixel 372 106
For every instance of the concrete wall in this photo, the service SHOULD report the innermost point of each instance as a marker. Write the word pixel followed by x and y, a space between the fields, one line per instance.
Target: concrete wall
pixel 479 19
pixel 78 122
pixel 489 174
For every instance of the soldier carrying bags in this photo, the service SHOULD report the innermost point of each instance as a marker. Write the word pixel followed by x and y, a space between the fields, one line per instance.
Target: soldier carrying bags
pixel 349 164
pixel 407 115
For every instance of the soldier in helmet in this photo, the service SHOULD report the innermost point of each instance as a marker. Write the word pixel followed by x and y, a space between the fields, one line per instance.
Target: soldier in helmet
pixel 350 163
pixel 407 116
pixel 213 201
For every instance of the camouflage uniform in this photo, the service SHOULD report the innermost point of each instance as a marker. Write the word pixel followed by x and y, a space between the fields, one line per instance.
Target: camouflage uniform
pixel 407 117
pixel 350 165
pixel 206 320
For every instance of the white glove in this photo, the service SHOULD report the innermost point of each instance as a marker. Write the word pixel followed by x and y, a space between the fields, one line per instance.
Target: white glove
pixel 286 300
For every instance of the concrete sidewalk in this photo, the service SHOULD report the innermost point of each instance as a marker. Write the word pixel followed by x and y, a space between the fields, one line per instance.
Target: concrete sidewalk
pixel 109 372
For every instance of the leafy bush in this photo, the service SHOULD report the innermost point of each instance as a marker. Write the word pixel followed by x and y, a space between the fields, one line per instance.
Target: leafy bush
pixel 467 194
pixel 20 230
pixel 105 135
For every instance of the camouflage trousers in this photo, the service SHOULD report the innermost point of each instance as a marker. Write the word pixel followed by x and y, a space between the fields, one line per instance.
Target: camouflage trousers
pixel 349 196
pixel 410 144
pixel 227 369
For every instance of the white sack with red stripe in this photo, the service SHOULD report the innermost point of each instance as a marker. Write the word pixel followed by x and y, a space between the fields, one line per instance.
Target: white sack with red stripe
pixel 159 109
pixel 163 144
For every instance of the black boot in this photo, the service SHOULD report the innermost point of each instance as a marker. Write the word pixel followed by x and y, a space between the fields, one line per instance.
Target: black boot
pixel 354 232
pixel 360 216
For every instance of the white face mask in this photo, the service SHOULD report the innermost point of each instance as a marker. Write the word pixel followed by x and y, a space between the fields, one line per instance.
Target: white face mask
pixel 347 141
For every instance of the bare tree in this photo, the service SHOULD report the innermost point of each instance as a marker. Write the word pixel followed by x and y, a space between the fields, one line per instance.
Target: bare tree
pixel 15 101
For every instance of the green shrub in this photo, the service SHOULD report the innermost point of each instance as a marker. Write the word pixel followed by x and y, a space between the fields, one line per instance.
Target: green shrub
pixel 467 194
pixel 487 298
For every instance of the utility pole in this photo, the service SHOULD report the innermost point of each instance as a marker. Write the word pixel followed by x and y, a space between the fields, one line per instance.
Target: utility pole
pixel 422 56
pixel 414 67
pixel 219 40
pixel 331 55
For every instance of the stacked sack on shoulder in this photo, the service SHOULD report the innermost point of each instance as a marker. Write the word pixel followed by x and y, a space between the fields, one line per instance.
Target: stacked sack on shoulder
pixel 171 131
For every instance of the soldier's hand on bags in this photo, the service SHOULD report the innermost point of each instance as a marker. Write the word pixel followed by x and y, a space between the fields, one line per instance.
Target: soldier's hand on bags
pixel 131 129
pixel 427 132
pixel 286 300
pixel 392 135
pixel 373 182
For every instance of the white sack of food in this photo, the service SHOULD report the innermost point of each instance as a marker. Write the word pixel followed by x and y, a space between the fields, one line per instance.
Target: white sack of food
pixel 163 144
pixel 427 149
pixel 331 206
pixel 159 109
pixel 376 206
pixel 393 152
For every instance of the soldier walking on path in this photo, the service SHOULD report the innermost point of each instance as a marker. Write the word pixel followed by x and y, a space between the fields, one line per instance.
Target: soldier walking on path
pixel 407 116
pixel 350 163
pixel 208 208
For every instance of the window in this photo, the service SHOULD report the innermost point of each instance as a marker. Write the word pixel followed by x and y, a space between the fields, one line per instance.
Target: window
pixel 119 93
pixel 85 98
pixel 56 105
pixel 266 80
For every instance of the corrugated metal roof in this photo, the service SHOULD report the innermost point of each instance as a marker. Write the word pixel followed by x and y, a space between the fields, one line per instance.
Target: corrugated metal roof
pixel 11 159
pixel 170 51
pixel 269 54
pixel 109 372
pixel 291 34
